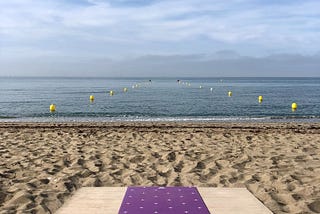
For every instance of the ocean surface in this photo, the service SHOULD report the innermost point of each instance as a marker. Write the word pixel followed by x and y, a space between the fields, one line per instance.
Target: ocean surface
pixel 162 99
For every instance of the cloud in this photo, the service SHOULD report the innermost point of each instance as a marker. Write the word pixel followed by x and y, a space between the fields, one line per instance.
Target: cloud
pixel 171 34
pixel 268 26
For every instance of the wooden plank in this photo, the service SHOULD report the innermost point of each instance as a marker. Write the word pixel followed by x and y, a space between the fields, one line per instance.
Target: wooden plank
pixel 94 200
pixel 232 200
pixel 107 200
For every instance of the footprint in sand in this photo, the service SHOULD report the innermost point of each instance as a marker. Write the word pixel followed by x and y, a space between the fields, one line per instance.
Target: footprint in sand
pixel 233 180
pixel 240 166
pixel 297 197
pixel 97 183
pixel 178 167
pixel 200 165
pixel 223 180
pixel 2 196
pixel 300 158
pixel 80 161
pixel 291 187
pixel 315 206
pixel 134 136
pixel 155 154
pixel 137 159
pixel 171 156
pixel 227 135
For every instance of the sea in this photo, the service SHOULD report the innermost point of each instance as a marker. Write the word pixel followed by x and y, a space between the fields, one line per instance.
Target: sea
pixel 27 99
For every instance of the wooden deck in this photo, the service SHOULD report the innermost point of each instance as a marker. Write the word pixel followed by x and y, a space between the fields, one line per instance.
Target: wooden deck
pixel 107 200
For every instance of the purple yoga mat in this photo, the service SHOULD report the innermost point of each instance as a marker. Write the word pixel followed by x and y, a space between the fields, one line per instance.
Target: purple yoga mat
pixel 164 200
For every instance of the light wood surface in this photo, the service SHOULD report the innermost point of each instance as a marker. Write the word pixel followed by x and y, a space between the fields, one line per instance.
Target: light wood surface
pixel 107 200
pixel 232 200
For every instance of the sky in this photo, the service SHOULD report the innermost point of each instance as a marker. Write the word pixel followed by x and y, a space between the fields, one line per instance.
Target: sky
pixel 129 38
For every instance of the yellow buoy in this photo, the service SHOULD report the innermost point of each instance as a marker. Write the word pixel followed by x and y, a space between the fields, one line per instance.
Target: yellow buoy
pixel 111 93
pixel 260 99
pixel 91 98
pixel 230 93
pixel 294 106
pixel 125 89
pixel 52 108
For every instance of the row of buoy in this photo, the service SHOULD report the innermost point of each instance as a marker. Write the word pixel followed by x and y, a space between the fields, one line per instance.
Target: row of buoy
pixel 294 106
pixel 184 83
pixel 111 93
pixel 137 85
pixel 52 107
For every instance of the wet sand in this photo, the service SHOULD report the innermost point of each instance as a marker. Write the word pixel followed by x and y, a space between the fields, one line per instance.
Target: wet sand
pixel 43 164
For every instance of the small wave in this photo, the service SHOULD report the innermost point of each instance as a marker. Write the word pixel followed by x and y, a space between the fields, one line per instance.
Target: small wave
pixel 135 119
pixel 127 118
pixel 7 117
pixel 293 117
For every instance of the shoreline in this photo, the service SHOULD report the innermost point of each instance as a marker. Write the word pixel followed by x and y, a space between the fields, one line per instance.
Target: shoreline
pixel 160 124
pixel 43 164
pixel 194 119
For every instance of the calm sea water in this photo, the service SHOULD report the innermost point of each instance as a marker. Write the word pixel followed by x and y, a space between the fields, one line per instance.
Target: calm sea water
pixel 28 99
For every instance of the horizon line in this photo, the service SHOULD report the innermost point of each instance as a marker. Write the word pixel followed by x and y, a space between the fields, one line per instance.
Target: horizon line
pixel 156 77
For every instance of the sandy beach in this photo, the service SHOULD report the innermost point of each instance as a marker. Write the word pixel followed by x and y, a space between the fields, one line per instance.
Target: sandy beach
pixel 43 164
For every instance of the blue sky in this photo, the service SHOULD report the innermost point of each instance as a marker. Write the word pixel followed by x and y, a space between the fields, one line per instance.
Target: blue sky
pixel 41 37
